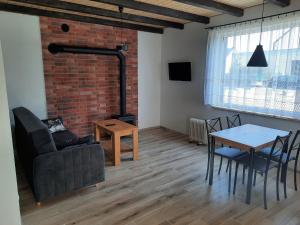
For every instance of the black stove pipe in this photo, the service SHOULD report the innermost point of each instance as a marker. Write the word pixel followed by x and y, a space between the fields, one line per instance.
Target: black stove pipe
pixel 58 48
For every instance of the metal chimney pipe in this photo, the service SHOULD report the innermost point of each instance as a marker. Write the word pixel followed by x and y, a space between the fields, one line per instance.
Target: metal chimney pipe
pixel 60 48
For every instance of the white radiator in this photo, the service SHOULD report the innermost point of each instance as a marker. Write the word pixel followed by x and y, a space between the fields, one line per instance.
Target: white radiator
pixel 198 131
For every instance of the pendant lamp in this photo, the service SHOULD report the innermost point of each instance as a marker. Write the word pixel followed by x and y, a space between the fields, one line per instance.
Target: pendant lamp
pixel 258 59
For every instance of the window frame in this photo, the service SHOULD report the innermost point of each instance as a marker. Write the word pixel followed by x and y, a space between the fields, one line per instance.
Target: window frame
pixel 213 104
pixel 256 113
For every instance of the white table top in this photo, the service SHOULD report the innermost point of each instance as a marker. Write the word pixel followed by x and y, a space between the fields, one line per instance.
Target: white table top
pixel 248 136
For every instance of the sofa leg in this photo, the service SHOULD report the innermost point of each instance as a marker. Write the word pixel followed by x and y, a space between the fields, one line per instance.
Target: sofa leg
pixel 38 203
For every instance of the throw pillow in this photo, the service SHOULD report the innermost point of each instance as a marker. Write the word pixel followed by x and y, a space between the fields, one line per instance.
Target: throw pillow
pixel 55 125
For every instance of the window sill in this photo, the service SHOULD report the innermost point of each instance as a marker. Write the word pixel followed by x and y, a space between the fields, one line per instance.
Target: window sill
pixel 257 114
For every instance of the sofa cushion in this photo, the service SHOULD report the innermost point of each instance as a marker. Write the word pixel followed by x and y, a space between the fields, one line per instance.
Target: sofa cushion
pixel 64 139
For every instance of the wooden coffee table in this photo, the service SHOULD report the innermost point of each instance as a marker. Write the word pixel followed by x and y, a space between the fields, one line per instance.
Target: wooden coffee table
pixel 117 129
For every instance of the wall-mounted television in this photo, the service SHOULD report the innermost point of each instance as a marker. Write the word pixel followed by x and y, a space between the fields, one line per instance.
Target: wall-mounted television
pixel 180 71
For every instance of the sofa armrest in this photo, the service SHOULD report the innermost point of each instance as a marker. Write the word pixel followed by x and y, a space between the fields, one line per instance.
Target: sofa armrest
pixel 69 169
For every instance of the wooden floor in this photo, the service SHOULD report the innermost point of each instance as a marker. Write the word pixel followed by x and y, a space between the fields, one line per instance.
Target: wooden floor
pixel 165 186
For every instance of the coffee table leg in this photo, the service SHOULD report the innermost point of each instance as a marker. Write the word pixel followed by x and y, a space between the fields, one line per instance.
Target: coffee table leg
pixel 250 176
pixel 117 149
pixel 135 140
pixel 97 133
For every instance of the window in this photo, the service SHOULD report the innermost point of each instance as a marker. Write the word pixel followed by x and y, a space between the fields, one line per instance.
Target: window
pixel 274 90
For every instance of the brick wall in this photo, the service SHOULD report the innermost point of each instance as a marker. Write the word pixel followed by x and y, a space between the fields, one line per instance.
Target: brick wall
pixel 84 88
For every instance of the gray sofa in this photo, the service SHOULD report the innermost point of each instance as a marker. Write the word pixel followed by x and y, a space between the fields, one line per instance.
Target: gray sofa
pixel 52 172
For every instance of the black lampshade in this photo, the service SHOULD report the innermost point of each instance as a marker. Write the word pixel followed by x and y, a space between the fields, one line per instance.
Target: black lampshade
pixel 258 59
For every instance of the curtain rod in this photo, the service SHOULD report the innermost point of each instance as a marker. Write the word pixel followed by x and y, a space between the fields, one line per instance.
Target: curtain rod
pixel 259 18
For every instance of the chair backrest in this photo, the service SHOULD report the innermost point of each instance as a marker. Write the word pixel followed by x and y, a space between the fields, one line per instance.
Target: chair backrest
pixel 213 125
pixel 233 121
pixel 295 146
pixel 280 146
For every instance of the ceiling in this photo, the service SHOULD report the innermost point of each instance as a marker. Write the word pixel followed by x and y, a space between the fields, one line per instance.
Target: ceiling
pixel 146 15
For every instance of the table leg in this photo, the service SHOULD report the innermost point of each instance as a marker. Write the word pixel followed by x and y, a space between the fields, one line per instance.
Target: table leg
pixel 116 149
pixel 135 140
pixel 212 159
pixel 250 176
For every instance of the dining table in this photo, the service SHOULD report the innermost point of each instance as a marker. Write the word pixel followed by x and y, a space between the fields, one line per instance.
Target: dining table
pixel 248 137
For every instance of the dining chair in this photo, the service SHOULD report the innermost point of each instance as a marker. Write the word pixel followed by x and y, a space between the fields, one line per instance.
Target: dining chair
pixel 291 155
pixel 214 125
pixel 233 121
pixel 262 165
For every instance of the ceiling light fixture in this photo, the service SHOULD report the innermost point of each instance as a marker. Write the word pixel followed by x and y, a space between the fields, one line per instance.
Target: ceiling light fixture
pixel 258 58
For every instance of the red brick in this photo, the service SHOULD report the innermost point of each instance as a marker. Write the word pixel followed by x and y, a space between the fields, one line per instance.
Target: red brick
pixel 84 88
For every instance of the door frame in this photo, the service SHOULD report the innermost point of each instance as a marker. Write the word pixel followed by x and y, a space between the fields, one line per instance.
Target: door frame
pixel 9 197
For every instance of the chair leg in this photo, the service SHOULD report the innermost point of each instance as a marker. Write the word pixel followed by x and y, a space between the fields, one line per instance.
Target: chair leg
pixel 235 177
pixel 220 166
pixel 207 168
pixel 244 171
pixel 283 172
pixel 230 169
pixel 284 188
pixel 295 175
pixel 265 190
pixel 277 183
pixel 227 166
pixel 254 180
pixel 284 181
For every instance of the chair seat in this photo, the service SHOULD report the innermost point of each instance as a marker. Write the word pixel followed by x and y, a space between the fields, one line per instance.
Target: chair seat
pixel 229 153
pixel 260 163
pixel 284 158
pixel 276 155
pixel 266 152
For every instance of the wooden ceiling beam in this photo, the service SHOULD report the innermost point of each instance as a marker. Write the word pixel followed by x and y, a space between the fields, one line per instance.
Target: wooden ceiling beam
pixel 282 3
pixel 215 6
pixel 146 7
pixel 102 12
pixel 61 15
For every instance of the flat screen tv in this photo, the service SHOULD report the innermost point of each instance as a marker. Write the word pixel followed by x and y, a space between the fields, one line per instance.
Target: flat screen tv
pixel 180 71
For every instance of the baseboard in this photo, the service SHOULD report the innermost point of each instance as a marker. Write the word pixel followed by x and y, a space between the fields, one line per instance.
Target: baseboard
pixel 174 131
pixel 161 127
pixel 150 128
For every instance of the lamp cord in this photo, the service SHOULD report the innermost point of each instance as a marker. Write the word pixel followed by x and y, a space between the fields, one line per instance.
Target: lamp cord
pixel 121 12
pixel 262 20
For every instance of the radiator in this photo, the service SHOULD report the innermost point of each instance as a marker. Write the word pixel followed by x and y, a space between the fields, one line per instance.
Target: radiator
pixel 198 131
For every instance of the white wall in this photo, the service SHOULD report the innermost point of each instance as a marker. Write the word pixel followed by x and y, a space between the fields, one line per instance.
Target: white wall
pixel 182 100
pixel 149 79
pixel 9 198
pixel 23 64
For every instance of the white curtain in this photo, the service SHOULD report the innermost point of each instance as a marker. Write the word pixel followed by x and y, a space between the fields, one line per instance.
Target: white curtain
pixel 274 90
